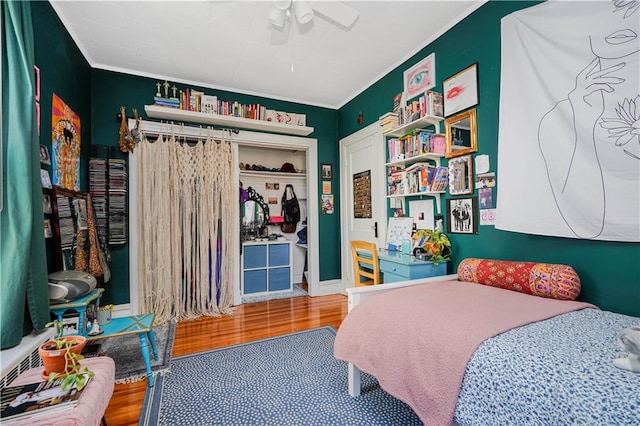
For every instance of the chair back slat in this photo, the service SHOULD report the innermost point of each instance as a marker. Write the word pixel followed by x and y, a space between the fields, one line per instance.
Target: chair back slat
pixel 366 269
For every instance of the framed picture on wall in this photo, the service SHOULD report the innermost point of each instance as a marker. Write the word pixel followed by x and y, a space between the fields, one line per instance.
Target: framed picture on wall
pixel 461 175
pixel 462 215
pixel 327 171
pixel 420 77
pixel 461 90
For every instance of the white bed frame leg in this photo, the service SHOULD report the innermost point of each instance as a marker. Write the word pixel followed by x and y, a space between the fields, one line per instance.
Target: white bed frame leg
pixel 354 380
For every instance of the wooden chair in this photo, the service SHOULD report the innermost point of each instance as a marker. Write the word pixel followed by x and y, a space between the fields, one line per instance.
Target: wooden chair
pixel 366 269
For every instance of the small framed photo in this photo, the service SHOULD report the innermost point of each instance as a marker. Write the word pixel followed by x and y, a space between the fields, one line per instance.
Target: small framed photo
pixel 70 326
pixel 461 175
pixel 327 171
pixel 44 155
pixel 46 204
pixel 48 232
pixel 462 215
pixel 45 178
pixel 461 90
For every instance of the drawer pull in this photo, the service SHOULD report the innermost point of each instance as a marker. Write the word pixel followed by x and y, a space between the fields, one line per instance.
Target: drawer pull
pixel 393 268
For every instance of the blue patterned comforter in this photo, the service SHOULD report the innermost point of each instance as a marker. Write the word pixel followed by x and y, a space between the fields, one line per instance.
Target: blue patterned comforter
pixel 553 372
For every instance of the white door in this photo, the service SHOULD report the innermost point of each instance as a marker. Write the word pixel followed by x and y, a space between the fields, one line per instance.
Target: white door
pixel 363 214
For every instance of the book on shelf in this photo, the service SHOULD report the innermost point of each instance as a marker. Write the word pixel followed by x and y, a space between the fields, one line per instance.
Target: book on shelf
pixel 440 180
pixel 209 104
pixel 433 104
pixel 168 100
pixel 35 400
pixel 420 177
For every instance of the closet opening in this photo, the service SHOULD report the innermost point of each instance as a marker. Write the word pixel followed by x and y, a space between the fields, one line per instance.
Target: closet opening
pixel 260 149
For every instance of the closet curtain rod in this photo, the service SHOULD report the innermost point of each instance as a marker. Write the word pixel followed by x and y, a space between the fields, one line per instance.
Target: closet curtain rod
pixel 181 129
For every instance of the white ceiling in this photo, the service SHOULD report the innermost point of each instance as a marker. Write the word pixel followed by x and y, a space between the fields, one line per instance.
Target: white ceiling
pixel 230 45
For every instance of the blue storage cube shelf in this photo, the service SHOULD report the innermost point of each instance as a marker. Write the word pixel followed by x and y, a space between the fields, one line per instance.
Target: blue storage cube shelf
pixel 279 279
pixel 255 281
pixel 255 257
pixel 278 254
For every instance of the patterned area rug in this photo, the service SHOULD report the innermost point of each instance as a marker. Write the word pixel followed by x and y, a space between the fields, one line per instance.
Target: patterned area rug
pixel 125 351
pixel 288 380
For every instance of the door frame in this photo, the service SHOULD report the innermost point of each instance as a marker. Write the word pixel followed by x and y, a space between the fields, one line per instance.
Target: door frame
pixel 378 190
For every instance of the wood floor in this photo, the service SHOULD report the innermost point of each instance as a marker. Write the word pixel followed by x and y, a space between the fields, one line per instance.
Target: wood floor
pixel 252 321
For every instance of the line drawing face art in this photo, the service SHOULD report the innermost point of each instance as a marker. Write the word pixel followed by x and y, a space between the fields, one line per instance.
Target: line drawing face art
pixel 590 140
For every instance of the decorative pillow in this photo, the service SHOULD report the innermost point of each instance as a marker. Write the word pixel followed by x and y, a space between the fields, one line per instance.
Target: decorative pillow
pixel 539 279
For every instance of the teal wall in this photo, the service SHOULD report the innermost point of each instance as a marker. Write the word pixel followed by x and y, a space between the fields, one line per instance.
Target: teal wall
pixel 65 72
pixel 110 90
pixel 609 271
pixel 96 96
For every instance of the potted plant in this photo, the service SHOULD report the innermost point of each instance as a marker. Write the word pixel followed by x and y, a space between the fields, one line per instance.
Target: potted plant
pixel 61 359
pixel 434 245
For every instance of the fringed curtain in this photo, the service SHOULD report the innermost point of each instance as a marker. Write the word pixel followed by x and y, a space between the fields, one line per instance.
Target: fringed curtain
pixel 184 227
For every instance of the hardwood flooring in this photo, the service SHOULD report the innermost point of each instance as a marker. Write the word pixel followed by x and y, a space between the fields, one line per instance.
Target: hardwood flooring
pixel 249 322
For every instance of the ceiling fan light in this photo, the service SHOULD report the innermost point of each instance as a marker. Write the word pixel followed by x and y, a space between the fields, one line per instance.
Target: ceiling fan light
pixel 276 17
pixel 303 11
pixel 282 4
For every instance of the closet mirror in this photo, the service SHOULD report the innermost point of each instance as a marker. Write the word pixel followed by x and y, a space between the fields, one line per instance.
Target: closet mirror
pixel 255 215
pixel 461 134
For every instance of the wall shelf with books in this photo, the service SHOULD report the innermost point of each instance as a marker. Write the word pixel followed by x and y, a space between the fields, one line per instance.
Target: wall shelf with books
pixel 420 123
pixel 168 113
pixel 422 157
pixel 422 180
pixel 418 174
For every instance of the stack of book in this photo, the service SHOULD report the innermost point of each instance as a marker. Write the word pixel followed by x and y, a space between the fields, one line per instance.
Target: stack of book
pixel 388 122
pixel 36 400
pixel 431 104
pixel 168 102
pixel 396 179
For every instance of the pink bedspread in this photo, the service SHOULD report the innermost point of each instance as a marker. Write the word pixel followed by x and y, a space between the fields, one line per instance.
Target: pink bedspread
pixel 418 340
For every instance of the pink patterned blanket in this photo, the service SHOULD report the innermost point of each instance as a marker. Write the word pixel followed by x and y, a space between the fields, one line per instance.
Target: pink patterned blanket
pixel 418 340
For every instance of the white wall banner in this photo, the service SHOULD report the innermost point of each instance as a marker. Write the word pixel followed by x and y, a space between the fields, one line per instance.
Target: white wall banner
pixel 569 136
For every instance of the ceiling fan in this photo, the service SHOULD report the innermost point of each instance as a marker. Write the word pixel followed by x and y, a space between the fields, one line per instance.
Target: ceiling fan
pixel 335 11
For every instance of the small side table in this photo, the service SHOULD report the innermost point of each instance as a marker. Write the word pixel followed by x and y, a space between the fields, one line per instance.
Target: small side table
pixel 135 324
pixel 79 305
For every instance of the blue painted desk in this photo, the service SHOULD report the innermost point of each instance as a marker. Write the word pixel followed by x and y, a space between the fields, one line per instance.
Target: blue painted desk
pixel 396 266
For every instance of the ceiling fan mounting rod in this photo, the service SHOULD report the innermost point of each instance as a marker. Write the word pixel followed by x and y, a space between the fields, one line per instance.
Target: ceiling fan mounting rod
pixel 282 8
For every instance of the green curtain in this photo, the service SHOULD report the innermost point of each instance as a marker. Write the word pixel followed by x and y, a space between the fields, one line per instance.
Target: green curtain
pixel 23 270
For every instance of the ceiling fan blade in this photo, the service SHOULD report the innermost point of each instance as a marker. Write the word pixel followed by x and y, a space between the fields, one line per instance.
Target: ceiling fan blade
pixel 337 12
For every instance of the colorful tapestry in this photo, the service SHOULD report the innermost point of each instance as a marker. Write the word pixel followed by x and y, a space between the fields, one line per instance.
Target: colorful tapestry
pixel 65 141
pixel 569 143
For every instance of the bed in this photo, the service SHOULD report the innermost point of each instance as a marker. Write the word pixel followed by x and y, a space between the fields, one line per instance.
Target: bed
pixel 472 353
